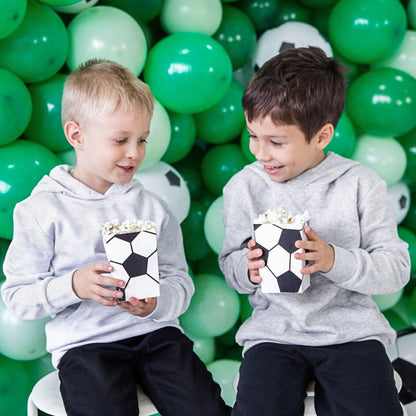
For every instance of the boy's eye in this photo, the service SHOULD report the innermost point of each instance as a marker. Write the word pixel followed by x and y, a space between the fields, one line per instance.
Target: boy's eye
pixel 276 143
pixel 120 141
pixel 142 141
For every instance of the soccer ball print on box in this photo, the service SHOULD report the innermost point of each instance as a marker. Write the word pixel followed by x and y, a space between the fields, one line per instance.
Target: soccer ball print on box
pixel 133 255
pixel 277 238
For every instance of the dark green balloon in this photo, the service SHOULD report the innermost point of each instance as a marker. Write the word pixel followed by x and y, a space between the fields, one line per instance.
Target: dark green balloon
pixel 317 3
pixel 4 245
pixel 192 177
pixel 142 10
pixel 409 221
pixel 188 72
pixel 12 13
pixel 263 13
pixel 344 139
pixel 237 35
pixel 223 121
pixel 408 141
pixel 245 146
pixel 410 237
pixel 367 31
pixel 219 164
pixel 15 106
pixel 381 102
pixel 45 126
pixel 395 320
pixel 182 138
pixel 194 241
pixel 37 49
pixel 22 164
pixel 290 11
pixel 16 384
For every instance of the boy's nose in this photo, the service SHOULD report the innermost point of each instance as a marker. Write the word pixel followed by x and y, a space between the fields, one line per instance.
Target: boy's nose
pixel 132 151
pixel 263 153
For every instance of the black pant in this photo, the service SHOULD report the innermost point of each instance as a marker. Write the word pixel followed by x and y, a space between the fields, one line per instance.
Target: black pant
pixel 352 379
pixel 101 379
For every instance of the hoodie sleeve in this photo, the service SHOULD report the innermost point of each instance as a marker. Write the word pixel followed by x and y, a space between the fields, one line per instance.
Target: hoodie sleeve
pixel 31 290
pixel 381 264
pixel 176 285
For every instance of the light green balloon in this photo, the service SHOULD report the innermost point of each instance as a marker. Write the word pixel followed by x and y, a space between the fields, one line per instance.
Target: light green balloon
pixel 213 226
pixel 204 347
pixel 12 13
pixel 159 137
pixel 21 339
pixel 202 16
pixel 68 157
pixel 214 308
pixel 224 372
pixel 15 106
pixel 385 302
pixel 108 33
pixel 385 156
pixel 404 58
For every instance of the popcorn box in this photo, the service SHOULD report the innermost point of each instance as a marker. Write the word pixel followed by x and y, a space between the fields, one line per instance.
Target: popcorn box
pixel 275 233
pixel 131 249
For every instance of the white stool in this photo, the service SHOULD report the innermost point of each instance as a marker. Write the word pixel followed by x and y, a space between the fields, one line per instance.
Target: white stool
pixel 46 397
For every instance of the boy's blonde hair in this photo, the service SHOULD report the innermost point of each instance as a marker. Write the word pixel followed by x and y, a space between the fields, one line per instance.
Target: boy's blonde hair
pixel 101 87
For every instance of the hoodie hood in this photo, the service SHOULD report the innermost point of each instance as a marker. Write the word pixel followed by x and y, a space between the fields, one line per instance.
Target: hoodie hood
pixel 61 181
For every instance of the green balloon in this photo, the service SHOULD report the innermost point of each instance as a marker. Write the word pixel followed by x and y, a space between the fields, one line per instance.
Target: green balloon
pixel 344 139
pixel 45 126
pixel 384 155
pixel 12 13
pixel 21 339
pixel 15 106
pixel 219 164
pixel 317 3
pixel 188 72
pixel 395 320
pixel 237 35
pixel 204 347
pixel 4 245
pixel 385 302
pixel 40 367
pixel 194 241
pixel 225 120
pixel 192 177
pixel 406 309
pixel 68 157
pixel 37 49
pixel 410 238
pixel 411 12
pixel 381 102
pixel 22 164
pixel 182 138
pixel 409 221
pixel 16 383
pixel 290 11
pixel 213 226
pixel 223 372
pixel 367 31
pixel 408 141
pixel 59 2
pixel 245 146
pixel 108 33
pixel 209 264
pixel 214 308
pixel 141 10
pixel 263 13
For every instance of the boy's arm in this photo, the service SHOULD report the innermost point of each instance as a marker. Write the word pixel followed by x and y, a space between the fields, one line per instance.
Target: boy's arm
pixel 176 285
pixel 233 256
pixel 382 264
pixel 30 290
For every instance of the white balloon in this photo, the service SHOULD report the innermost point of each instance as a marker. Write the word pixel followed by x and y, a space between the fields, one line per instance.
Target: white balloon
pixel 400 197
pixel 165 181
pixel 286 36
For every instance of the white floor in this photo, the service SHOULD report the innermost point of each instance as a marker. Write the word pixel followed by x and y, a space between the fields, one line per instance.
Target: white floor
pixel 411 409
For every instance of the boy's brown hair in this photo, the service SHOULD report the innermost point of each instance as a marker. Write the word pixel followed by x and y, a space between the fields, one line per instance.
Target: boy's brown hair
pixel 300 86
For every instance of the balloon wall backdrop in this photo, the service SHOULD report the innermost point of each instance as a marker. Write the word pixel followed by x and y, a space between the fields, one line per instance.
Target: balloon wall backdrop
pixel 197 56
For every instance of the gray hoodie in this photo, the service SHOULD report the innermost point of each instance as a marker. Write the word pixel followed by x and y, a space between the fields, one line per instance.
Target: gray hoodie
pixel 351 210
pixel 56 231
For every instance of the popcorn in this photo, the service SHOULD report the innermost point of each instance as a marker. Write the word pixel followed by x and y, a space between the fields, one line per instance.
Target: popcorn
pixel 276 232
pixel 131 249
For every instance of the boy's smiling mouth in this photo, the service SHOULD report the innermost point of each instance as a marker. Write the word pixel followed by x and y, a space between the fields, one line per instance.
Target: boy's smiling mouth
pixel 272 170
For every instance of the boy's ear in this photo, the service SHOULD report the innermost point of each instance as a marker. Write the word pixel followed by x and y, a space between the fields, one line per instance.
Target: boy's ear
pixel 324 136
pixel 73 134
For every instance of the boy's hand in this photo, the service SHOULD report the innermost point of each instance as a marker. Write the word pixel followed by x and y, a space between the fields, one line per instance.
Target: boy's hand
pixel 254 263
pixel 140 307
pixel 317 250
pixel 88 284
